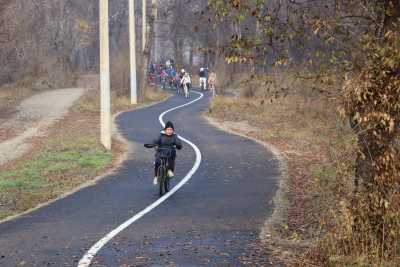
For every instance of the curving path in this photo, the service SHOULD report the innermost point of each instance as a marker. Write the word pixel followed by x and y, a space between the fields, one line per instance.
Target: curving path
pixel 213 220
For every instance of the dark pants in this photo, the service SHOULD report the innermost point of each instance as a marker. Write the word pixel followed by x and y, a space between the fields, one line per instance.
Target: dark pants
pixel 171 164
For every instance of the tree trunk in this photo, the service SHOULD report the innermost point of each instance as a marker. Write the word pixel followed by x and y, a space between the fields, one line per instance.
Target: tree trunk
pixel 191 56
pixel 392 13
pixel 178 51
pixel 146 52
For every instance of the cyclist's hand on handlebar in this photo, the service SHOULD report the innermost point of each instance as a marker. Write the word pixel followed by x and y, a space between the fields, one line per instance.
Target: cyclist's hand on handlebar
pixel 150 145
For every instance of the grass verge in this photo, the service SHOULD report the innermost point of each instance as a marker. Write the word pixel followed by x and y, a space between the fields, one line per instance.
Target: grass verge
pixel 67 157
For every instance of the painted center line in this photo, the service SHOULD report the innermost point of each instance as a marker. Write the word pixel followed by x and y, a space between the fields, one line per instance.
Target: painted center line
pixel 91 253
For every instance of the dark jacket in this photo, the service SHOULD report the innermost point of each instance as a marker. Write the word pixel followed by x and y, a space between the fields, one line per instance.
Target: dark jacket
pixel 167 144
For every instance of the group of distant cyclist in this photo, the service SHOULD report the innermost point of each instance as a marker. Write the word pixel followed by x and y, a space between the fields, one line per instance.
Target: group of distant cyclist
pixel 167 141
pixel 166 74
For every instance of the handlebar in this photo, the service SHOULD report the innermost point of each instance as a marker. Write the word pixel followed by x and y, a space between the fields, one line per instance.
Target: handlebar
pixel 150 145
pixel 157 146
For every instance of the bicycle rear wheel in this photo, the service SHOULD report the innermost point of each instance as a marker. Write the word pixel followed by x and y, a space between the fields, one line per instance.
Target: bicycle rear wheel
pixel 186 91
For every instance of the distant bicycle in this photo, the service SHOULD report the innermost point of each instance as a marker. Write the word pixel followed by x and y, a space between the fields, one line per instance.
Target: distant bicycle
pixel 212 80
pixel 152 78
pixel 174 83
pixel 203 84
pixel 186 90
pixel 179 89
pixel 164 79
pixel 162 171
pixel 171 83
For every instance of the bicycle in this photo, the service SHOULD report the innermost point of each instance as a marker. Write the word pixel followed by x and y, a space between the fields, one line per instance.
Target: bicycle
pixel 179 89
pixel 186 90
pixel 163 82
pixel 162 172
pixel 211 86
pixel 171 83
pixel 152 78
pixel 203 84
pixel 174 84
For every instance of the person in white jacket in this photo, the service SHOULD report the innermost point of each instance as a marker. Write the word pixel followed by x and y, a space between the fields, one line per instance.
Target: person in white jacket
pixel 186 83
pixel 203 79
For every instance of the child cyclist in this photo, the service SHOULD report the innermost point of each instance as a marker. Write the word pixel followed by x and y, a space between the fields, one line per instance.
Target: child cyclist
pixel 167 141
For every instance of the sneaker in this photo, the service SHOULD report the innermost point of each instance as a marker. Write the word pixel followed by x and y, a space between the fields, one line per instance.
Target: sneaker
pixel 155 181
pixel 170 174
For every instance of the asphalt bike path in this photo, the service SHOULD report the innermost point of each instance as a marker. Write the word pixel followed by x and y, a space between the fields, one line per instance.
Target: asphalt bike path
pixel 211 221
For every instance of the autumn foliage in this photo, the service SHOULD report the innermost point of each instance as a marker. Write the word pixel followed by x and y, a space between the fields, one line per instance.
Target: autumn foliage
pixel 354 45
pixel 372 101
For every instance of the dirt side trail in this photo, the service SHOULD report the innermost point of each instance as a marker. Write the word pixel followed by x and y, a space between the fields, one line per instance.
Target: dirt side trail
pixel 32 117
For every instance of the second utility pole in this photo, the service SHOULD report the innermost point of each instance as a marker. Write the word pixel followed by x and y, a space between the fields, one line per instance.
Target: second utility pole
pixel 132 45
pixel 144 24
pixel 105 101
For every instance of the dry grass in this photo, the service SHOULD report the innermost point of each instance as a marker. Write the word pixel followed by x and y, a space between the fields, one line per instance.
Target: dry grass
pixel 306 128
pixel 280 117
pixel 12 94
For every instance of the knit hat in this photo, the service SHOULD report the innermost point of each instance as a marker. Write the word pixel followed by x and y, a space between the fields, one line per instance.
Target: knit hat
pixel 169 125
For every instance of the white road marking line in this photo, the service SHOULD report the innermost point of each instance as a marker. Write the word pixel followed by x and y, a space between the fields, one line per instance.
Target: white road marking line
pixel 88 257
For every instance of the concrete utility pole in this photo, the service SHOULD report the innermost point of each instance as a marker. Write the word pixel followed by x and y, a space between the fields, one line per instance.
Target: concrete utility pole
pixel 132 45
pixel 154 9
pixel 105 102
pixel 154 15
pixel 144 24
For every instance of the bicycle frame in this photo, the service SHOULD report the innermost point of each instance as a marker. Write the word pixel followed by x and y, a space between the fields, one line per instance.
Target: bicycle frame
pixel 203 84
pixel 162 170
pixel 186 90
pixel 162 175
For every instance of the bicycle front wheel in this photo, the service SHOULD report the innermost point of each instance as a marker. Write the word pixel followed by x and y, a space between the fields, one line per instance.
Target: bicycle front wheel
pixel 162 176
pixel 166 184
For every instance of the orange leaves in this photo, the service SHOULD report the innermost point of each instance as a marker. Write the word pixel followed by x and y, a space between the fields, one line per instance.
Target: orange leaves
pixel 371 98
pixel 236 3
